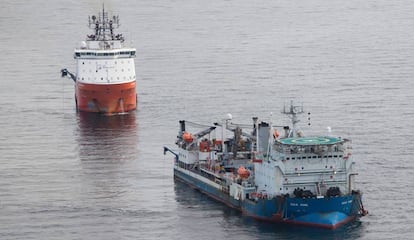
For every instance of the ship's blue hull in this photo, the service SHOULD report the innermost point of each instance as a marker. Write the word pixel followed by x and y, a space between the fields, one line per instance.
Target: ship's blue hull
pixel 321 212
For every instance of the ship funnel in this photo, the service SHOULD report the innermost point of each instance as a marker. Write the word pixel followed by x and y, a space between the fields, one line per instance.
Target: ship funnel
pixel 182 126
pixel 263 134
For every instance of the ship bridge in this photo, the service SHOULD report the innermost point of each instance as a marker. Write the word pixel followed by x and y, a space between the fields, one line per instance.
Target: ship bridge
pixel 105 54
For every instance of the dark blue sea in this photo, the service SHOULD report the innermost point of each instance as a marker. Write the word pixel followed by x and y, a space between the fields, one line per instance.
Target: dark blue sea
pixel 65 175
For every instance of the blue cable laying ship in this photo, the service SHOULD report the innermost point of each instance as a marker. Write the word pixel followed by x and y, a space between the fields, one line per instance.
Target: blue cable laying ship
pixel 271 173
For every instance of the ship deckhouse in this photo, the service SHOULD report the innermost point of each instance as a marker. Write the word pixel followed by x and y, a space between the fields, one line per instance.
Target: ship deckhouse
pixel 313 164
pixel 103 58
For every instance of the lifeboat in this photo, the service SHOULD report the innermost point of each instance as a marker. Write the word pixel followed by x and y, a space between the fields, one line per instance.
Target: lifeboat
pixel 188 138
pixel 243 172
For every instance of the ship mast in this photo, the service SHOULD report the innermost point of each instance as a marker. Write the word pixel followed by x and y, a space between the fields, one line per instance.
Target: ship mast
pixel 292 111
pixel 103 27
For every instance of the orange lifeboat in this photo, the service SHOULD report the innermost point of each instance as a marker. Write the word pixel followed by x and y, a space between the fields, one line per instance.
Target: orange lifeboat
pixel 188 138
pixel 243 172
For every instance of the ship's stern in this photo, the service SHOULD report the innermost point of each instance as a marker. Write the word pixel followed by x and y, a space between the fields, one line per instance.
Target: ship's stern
pixel 326 212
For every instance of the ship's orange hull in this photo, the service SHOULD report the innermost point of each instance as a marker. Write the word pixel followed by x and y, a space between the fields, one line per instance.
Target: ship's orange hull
pixel 107 99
